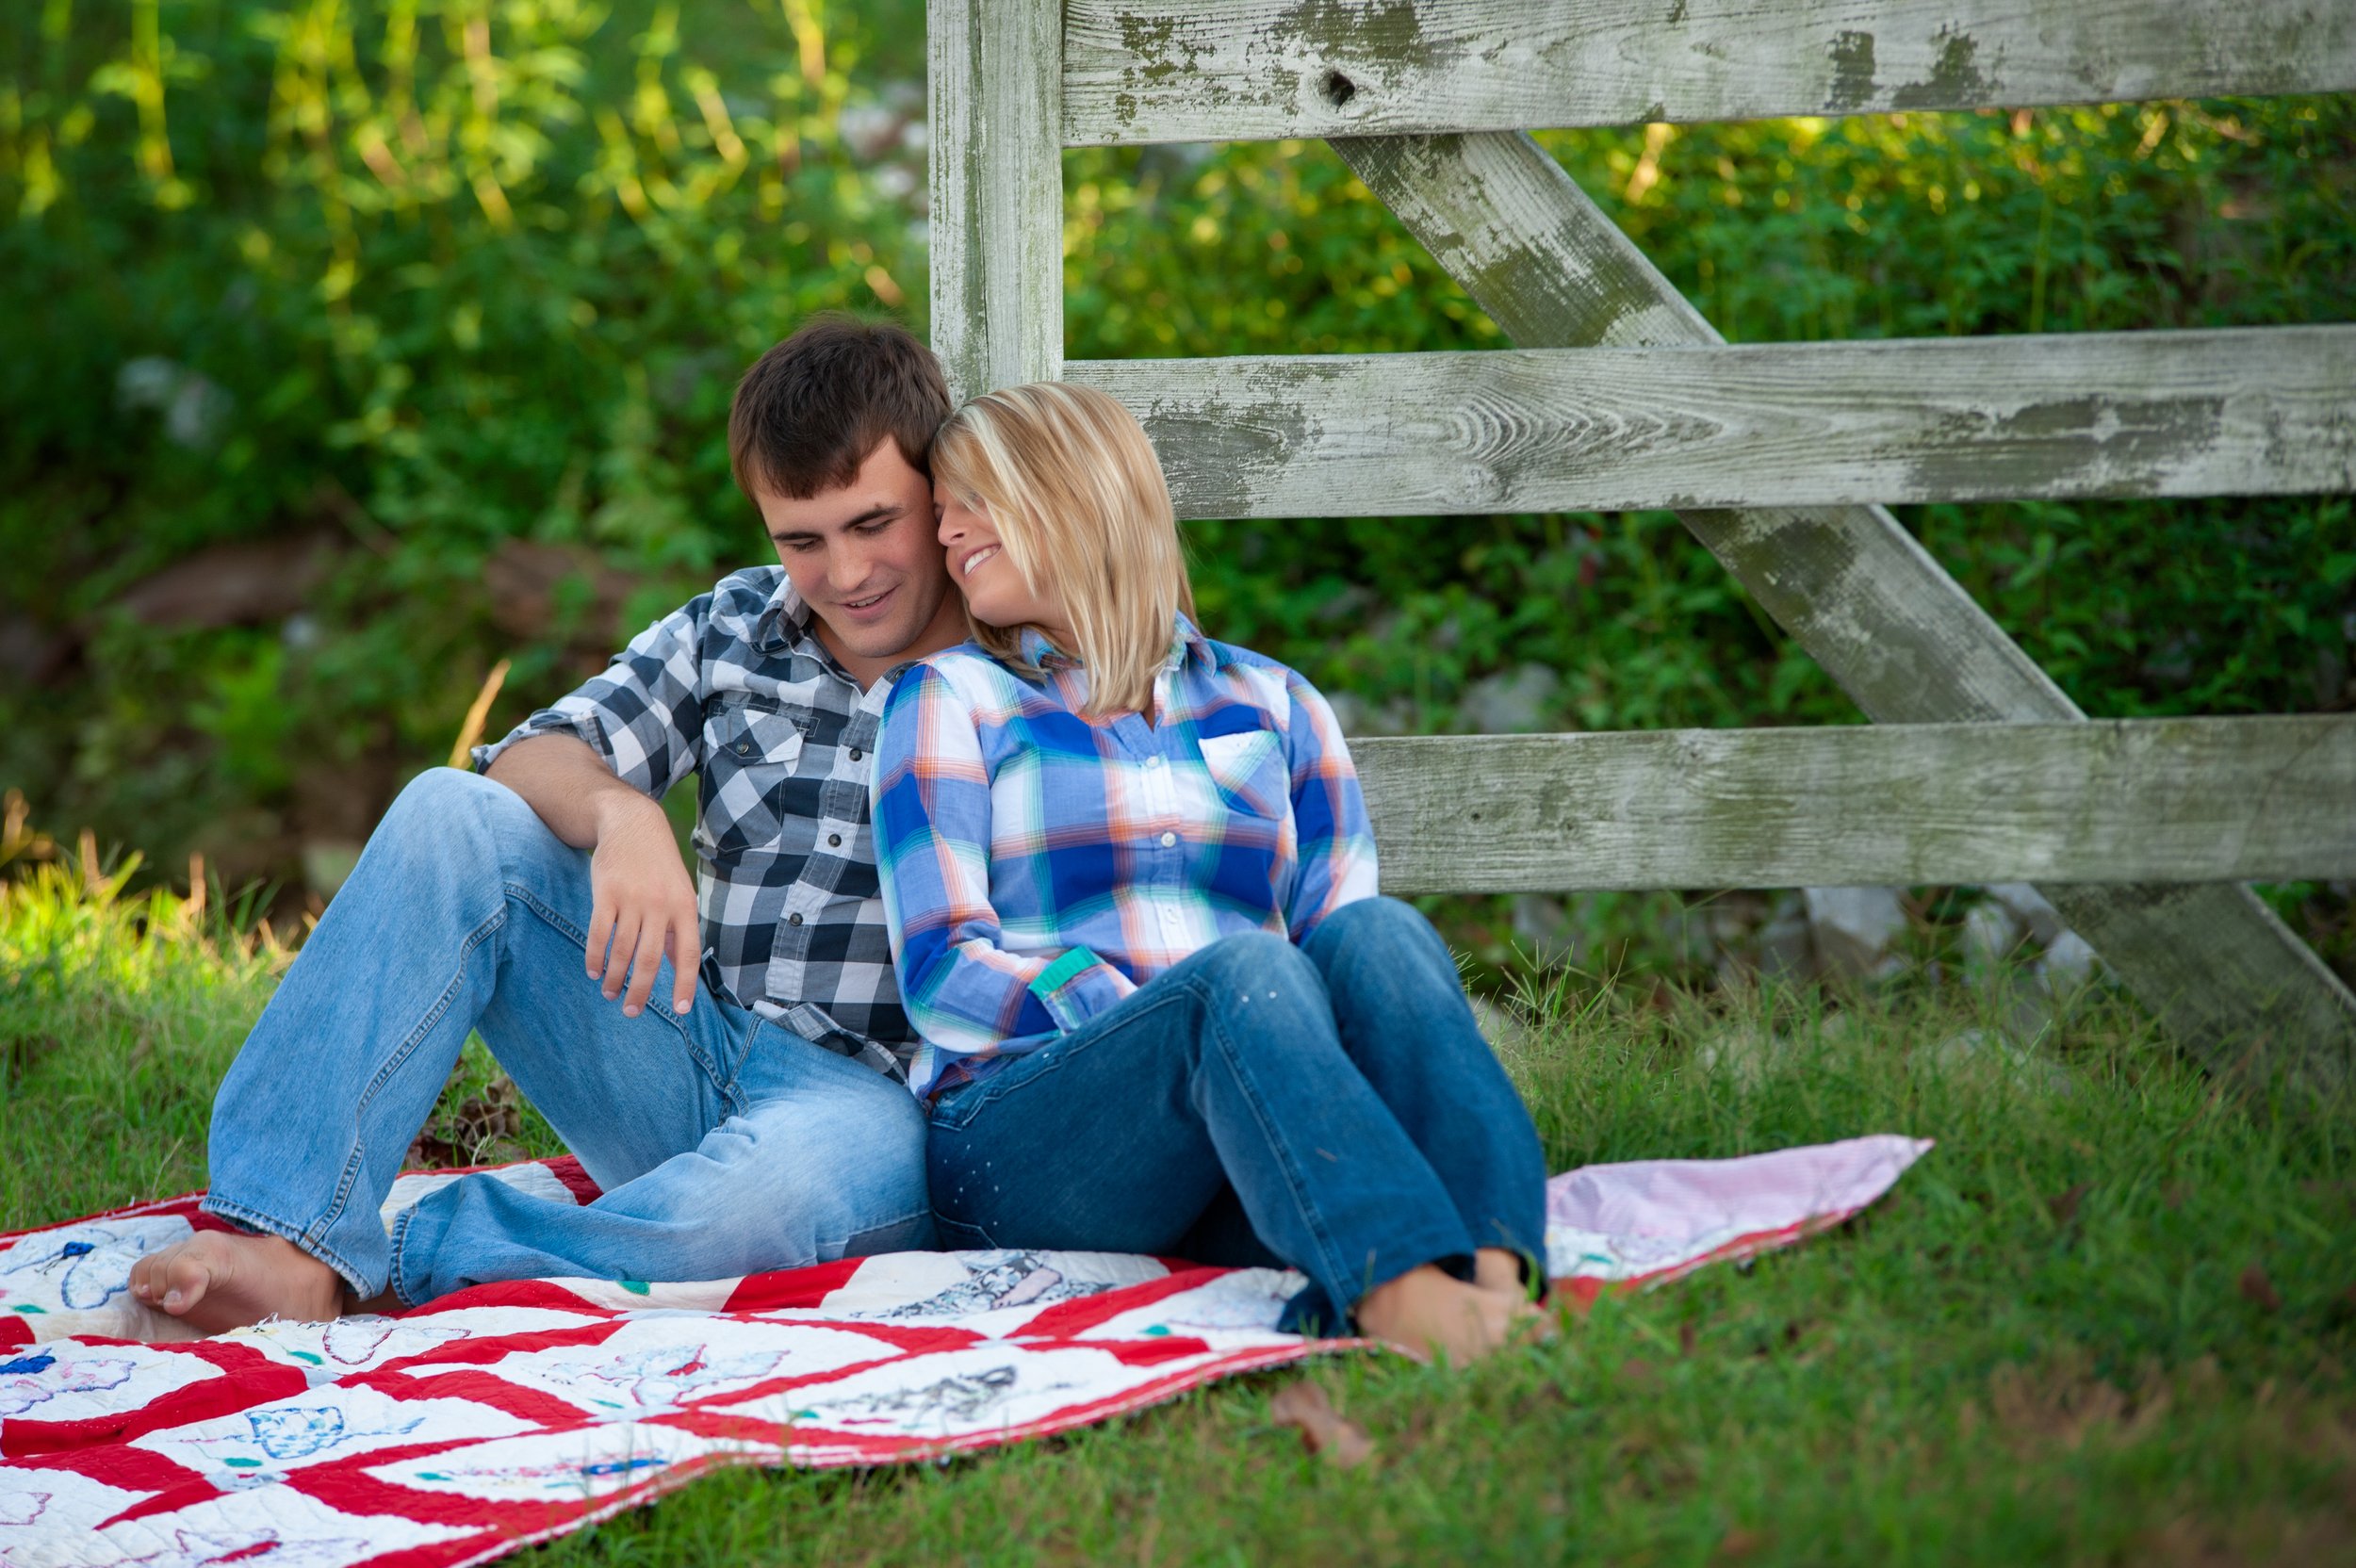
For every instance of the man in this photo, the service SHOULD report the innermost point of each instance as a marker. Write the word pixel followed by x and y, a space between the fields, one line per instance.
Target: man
pixel 762 1125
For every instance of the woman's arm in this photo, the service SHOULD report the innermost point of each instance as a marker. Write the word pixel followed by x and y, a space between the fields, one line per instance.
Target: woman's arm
pixel 964 991
pixel 1334 837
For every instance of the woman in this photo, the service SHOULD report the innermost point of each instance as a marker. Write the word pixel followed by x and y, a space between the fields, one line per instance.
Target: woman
pixel 1131 888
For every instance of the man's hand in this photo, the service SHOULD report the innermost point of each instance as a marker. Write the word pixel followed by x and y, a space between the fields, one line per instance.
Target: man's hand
pixel 643 903
pixel 645 906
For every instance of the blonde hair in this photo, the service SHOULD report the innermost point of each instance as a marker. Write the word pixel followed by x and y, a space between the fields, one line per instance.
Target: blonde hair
pixel 1077 498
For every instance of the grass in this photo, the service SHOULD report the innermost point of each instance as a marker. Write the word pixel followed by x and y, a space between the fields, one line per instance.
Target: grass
pixel 2108 1318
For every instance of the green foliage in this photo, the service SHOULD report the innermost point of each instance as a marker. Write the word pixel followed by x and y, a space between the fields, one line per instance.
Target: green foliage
pixel 2110 218
pixel 420 279
pixel 425 282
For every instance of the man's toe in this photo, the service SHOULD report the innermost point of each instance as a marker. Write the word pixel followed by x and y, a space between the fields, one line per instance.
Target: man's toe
pixel 186 1279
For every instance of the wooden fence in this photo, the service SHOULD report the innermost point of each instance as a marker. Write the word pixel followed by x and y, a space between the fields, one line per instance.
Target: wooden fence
pixel 1779 458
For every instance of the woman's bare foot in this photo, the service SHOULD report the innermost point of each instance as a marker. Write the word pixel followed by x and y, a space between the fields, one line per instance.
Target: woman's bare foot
pixel 218 1280
pixel 1497 1270
pixel 1426 1311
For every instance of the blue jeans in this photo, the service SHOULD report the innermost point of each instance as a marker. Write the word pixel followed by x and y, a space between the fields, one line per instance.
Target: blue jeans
pixel 1334 1101
pixel 724 1143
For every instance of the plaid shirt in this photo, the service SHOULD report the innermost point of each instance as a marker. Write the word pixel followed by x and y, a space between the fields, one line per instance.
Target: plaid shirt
pixel 1037 867
pixel 736 688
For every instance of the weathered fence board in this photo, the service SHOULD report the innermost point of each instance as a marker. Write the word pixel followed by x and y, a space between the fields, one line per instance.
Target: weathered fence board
pixel 2191 800
pixel 1856 590
pixel 2239 412
pixel 997 190
pixel 1240 69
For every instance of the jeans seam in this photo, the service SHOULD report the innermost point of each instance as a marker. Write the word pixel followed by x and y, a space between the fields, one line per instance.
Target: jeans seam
pixel 723 1084
pixel 399 1058
pixel 294 1235
pixel 392 1270
pixel 939 1219
pixel 843 1244
pixel 1314 1222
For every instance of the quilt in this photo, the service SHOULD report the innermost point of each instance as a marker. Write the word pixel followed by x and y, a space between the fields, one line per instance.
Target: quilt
pixel 511 1414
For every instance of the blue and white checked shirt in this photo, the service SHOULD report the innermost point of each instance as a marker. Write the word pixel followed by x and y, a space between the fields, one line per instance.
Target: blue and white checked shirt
pixel 736 688
pixel 1037 867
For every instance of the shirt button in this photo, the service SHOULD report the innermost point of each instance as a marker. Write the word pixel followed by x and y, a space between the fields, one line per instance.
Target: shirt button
pixel 834 840
pixel 856 754
pixel 1168 839
pixel 744 749
pixel 1153 762
pixel 792 919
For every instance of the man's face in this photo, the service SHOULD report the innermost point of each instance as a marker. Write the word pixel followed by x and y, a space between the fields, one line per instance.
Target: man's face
pixel 863 558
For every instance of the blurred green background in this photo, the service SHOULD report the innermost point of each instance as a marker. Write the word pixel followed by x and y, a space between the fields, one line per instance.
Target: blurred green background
pixel 350 347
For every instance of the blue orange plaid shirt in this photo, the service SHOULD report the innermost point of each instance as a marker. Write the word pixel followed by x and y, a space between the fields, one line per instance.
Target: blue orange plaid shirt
pixel 1037 866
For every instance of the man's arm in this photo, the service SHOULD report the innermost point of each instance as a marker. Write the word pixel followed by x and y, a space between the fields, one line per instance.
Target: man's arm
pixel 643 900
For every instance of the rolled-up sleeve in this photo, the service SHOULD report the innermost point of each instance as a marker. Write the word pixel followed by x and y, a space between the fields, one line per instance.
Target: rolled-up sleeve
pixel 1335 838
pixel 643 714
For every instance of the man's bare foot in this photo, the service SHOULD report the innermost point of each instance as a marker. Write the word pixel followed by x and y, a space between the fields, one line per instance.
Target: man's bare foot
pixel 218 1280
pixel 1426 1311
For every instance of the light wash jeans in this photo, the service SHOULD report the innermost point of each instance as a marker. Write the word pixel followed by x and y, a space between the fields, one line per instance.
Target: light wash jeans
pixel 1331 1105
pixel 725 1144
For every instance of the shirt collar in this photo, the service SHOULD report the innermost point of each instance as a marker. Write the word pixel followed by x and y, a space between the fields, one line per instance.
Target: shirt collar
pixel 784 620
pixel 1040 654
pixel 786 624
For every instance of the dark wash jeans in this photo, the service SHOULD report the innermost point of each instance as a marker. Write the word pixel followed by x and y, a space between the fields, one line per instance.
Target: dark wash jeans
pixel 1334 1100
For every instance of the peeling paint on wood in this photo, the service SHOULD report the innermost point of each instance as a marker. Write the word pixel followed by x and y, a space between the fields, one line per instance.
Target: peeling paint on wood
pixel 1243 70
pixel 2244 411
pixel 997 190
pixel 2178 800
pixel 1882 617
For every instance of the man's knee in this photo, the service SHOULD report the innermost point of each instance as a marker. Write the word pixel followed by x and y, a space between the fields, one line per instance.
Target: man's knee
pixel 439 796
pixel 449 814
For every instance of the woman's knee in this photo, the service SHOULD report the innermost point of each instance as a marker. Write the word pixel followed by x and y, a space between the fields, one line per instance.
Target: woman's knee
pixel 1261 993
pixel 1261 958
pixel 1379 919
pixel 1384 935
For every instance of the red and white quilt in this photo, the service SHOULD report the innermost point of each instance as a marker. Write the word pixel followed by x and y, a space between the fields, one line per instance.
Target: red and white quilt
pixel 510 1414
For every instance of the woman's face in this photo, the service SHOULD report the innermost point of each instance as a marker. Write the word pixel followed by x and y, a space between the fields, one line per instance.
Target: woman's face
pixel 978 565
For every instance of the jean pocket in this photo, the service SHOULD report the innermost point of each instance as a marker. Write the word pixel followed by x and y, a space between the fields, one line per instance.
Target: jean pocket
pixel 957 1237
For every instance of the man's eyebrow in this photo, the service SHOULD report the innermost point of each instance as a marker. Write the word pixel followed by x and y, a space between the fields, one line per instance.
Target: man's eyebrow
pixel 876 512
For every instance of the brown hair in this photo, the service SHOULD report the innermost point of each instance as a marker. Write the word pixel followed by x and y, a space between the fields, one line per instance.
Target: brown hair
pixel 1071 485
pixel 809 410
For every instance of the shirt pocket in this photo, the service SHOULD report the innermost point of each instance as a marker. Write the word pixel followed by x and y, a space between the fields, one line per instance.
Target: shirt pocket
pixel 750 752
pixel 1251 771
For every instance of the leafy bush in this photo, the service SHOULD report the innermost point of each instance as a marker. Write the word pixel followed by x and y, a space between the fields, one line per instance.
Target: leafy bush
pixel 2111 218
pixel 434 306
pixel 348 349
